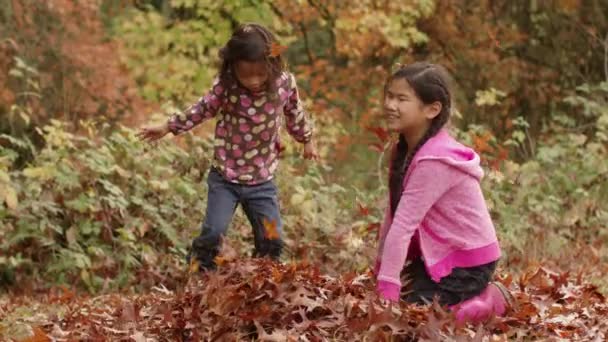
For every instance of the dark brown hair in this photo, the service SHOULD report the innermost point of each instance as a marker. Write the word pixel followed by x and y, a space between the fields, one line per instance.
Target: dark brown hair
pixel 430 82
pixel 251 42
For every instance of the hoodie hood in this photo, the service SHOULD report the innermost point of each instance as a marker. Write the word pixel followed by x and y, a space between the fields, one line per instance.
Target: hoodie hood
pixel 442 147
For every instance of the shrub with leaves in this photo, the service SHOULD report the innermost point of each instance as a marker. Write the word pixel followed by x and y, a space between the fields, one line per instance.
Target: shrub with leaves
pixel 560 193
pixel 92 209
pixel 172 52
pixel 100 208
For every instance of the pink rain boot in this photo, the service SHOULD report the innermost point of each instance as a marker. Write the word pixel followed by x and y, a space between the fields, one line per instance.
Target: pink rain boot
pixel 494 300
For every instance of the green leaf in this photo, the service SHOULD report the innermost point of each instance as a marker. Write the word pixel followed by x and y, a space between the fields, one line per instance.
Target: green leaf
pixel 42 173
pixel 81 204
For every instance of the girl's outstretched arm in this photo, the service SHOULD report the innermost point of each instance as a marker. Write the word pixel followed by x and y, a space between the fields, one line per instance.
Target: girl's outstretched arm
pixel 205 108
pixel 298 124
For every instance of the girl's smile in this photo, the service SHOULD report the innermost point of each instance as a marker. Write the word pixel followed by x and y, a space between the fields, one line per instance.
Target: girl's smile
pixel 402 108
pixel 405 112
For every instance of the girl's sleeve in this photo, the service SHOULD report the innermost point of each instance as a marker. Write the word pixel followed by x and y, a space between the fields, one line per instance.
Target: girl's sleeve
pixel 298 124
pixel 380 239
pixel 387 211
pixel 205 108
pixel 426 184
pixel 383 230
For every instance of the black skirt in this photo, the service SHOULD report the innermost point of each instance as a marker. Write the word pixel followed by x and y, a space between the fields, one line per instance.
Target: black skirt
pixel 458 286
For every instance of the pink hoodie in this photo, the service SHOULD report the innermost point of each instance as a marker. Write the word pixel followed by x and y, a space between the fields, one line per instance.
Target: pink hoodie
pixel 443 202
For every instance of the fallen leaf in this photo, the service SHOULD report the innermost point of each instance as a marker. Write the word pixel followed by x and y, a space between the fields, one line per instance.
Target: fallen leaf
pixel 138 337
pixel 270 230
pixel 194 266
pixel 219 260
pixel 38 335
pixel 278 335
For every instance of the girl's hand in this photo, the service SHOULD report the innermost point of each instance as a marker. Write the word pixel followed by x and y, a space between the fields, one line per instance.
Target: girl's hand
pixel 153 133
pixel 310 151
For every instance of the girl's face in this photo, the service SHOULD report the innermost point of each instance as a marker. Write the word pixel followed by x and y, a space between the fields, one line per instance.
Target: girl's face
pixel 252 75
pixel 404 112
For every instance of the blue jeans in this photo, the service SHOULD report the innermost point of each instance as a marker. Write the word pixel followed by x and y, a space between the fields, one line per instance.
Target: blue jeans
pixel 260 204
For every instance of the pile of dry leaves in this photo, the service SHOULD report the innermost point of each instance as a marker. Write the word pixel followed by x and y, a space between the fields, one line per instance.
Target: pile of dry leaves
pixel 262 300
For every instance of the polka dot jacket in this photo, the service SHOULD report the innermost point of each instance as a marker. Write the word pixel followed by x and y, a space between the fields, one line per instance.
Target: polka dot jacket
pixel 247 131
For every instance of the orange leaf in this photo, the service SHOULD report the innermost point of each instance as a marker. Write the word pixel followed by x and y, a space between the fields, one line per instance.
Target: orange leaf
pixel 219 261
pixel 38 336
pixel 270 229
pixel 481 143
pixel 276 49
pixel 277 276
pixel 194 266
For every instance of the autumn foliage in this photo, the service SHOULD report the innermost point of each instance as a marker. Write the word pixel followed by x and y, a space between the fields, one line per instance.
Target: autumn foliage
pixel 261 300
pixel 95 226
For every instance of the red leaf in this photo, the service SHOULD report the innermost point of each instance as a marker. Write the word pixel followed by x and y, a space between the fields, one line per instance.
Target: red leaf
pixel 380 132
pixel 363 210
pixel 373 226
pixel 38 336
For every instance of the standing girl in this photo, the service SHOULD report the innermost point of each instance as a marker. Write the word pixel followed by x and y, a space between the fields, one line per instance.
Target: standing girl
pixel 249 97
pixel 437 217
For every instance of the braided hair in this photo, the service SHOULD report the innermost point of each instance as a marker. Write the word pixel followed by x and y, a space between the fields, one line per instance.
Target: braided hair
pixel 430 83
pixel 252 43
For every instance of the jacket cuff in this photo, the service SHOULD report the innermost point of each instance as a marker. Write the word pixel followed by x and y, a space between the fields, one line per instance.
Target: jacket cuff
pixel 388 290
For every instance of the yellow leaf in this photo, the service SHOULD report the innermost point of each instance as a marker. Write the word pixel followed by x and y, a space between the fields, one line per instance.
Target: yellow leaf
pixel 297 198
pixel 10 196
pixel 4 177
pixel 42 173
pixel 159 185
pixel 194 266
pixel 307 206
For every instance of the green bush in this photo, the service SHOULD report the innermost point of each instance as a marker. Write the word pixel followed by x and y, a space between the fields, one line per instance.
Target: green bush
pixel 560 193
pixel 94 207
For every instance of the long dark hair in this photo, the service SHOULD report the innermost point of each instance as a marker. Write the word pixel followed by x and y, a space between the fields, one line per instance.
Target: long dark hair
pixel 430 82
pixel 253 43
